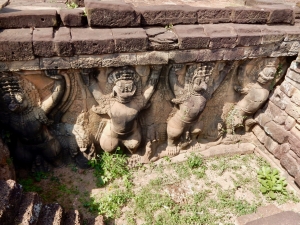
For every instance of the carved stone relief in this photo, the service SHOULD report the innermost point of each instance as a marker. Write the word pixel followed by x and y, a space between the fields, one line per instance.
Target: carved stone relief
pixel 151 111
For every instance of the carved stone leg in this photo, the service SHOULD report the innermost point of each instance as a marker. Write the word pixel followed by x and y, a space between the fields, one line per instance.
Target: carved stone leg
pixel 133 141
pixel 175 128
pixel 109 139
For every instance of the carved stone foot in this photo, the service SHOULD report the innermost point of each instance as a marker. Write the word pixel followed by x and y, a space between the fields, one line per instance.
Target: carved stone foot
pixel 170 151
pixel 40 165
pixel 249 123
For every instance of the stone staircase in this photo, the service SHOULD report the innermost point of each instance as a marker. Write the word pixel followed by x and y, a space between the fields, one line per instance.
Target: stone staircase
pixel 27 208
pixel 287 214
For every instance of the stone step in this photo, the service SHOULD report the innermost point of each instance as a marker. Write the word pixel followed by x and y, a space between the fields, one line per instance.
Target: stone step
pixel 10 199
pixel 29 210
pixel 72 217
pixel 288 218
pixel 51 214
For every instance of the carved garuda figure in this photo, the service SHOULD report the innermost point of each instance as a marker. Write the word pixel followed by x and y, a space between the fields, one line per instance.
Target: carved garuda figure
pixel 190 101
pixel 24 113
pixel 123 104
pixel 255 97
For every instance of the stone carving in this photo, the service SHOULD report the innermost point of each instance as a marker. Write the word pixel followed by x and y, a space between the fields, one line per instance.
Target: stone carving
pixel 25 114
pixel 122 106
pixel 255 96
pixel 189 88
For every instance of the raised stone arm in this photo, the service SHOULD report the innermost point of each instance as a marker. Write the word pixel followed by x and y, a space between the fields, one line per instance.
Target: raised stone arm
pixel 93 85
pixel 151 84
pixel 241 90
pixel 57 91
pixel 174 80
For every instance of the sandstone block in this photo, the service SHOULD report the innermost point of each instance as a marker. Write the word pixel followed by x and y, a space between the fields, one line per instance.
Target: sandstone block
pixel 277 132
pixel 73 17
pixel 287 88
pixel 259 133
pixel 248 35
pixel 236 53
pixel 247 15
pixel 28 18
pixel 210 55
pixel 293 75
pixel 279 14
pixel 278 115
pixel 161 39
pixel 73 218
pixel 290 164
pixel 214 15
pixel 119 59
pixel 154 57
pixel 51 214
pixel 297 179
pixel 294 142
pixel 29 210
pixel 271 34
pixel 43 42
pixel 280 150
pixel 289 123
pixel 88 41
pixel 16 44
pixel 86 61
pixel 111 14
pixel 62 42
pixel 293 110
pixel 183 56
pixel 221 36
pixel 130 39
pixel 191 36
pixel 270 144
pixel 262 50
pixel 11 194
pixel 279 98
pixel 167 14
pixel 55 63
pixel 24 65
pixel 7 170
pixel 263 119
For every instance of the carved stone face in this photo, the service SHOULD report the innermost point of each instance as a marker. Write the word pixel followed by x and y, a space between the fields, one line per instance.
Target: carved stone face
pixel 200 84
pixel 124 90
pixel 266 75
pixel 15 102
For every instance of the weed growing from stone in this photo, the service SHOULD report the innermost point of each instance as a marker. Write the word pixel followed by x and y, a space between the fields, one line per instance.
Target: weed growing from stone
pixel 71 5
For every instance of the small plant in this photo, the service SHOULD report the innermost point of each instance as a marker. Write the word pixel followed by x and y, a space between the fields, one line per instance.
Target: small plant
pixel 169 26
pixel 29 185
pixel 109 167
pixel 271 182
pixel 194 161
pixel 71 5
pixel 278 73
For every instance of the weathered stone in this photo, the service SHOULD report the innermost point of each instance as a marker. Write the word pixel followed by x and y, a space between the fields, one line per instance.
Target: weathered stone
pixel 4 66
pixel 161 39
pixel 154 57
pixel 293 75
pixel 263 119
pixel 130 39
pixel 221 36
pixel 55 63
pixel 16 44
pixel 11 194
pixel 287 88
pixel 292 82
pixel 73 17
pixel 289 123
pixel 242 220
pixel 236 53
pixel 277 132
pixel 259 133
pixel 271 34
pixel 73 218
pixel 283 49
pixel 7 170
pixel 99 220
pixel 119 59
pixel 111 14
pixel 24 65
pixel 222 150
pixel 167 14
pixel 294 49
pixel 279 14
pixel 210 55
pixel 214 15
pixel 294 144
pixel 183 56
pixel 262 50
pixel 51 214
pixel 88 61
pixel 29 211
pixel 62 42
pixel 270 144
pixel 290 164
pixel 247 15
pixel 191 36
pixel 43 42
pixel 28 18
pixel 280 150
pixel 279 99
pixel 87 41
pixel 278 115
pixel 288 217
pixel 297 179
pixel 293 110
pixel 248 35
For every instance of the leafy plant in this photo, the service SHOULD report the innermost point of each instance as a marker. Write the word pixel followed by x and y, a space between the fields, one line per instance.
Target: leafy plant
pixel 29 185
pixel 109 167
pixel 194 161
pixel 271 182
pixel 169 26
pixel 71 5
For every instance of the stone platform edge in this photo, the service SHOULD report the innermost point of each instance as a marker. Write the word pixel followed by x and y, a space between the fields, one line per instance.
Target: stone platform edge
pixel 119 14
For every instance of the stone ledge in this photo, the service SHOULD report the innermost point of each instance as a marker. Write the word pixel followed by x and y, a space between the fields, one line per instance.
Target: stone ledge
pixel 115 14
pixel 243 41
